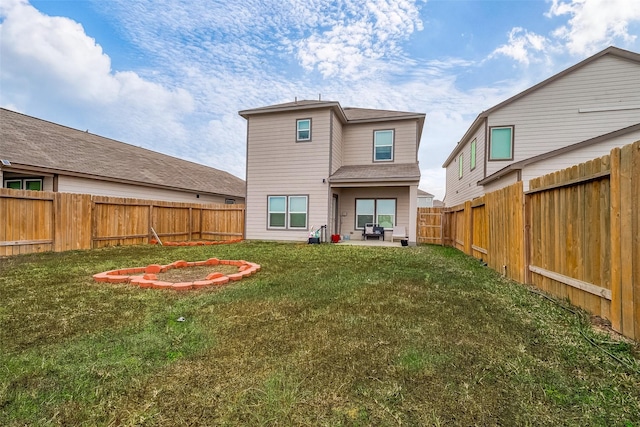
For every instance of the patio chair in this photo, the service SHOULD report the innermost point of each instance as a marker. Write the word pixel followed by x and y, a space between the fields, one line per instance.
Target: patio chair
pixel 399 233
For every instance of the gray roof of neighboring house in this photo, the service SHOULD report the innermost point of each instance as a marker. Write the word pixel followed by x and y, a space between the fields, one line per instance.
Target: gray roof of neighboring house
pixel 32 142
pixel 383 172
pixel 424 193
pixel 611 50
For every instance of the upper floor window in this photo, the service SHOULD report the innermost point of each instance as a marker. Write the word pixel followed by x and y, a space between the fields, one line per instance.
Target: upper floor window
pixel 383 145
pixel 460 165
pixel 501 143
pixel 303 130
pixel 472 159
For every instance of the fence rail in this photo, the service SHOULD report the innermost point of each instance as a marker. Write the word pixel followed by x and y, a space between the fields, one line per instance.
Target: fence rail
pixel 574 234
pixel 38 221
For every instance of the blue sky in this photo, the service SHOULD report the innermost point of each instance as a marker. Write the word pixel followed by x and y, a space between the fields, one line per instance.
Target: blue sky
pixel 171 75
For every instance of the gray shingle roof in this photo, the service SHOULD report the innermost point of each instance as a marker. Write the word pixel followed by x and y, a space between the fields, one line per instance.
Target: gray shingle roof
pixel 347 114
pixel 383 172
pixel 356 114
pixel 424 193
pixel 29 141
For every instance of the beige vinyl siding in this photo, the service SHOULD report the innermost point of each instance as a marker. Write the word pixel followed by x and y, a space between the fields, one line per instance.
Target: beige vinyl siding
pixel 348 205
pixel 508 179
pixel 358 142
pixel 277 165
pixel 461 190
pixel 575 157
pixel 47 183
pixel 69 184
pixel 550 118
pixel 337 145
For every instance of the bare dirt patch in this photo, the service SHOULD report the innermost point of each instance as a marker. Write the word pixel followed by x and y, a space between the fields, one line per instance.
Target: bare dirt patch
pixel 191 274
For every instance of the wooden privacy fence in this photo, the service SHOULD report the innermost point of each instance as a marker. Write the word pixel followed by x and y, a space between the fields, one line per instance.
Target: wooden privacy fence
pixel 429 225
pixel 574 234
pixel 38 221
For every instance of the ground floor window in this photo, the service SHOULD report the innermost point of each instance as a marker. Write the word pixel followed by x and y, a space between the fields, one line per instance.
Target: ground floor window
pixel 375 211
pixel 34 184
pixel 287 212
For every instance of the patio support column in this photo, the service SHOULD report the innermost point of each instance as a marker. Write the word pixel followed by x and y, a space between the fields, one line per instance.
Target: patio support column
pixel 413 214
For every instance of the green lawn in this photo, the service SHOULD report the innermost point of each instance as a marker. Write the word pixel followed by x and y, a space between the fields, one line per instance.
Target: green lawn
pixel 323 336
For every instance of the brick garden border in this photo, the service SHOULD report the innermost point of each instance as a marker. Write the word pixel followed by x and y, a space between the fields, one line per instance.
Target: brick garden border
pixel 146 277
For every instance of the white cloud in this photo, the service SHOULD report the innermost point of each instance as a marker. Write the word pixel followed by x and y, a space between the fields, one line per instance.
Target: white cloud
pixel 594 23
pixel 359 38
pixel 50 61
pixel 522 46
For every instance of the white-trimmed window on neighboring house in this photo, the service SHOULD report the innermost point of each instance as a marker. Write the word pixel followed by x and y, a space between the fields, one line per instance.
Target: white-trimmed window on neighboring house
pixel 303 130
pixel 375 211
pixel 460 165
pixel 287 212
pixel 501 143
pixel 472 157
pixel 34 184
pixel 383 145
pixel 229 201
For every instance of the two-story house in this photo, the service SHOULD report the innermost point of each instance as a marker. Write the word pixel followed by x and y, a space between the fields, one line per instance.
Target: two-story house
pixel 572 117
pixel 314 163
pixel 425 200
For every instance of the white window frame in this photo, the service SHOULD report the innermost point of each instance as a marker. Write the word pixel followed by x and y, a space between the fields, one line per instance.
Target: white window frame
pixel 7 181
pixel 460 165
pixel 23 182
pixel 298 130
pixel 27 180
pixel 288 212
pixel 376 146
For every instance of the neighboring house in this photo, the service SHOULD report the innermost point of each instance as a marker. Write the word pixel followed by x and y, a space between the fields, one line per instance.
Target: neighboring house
pixel 425 200
pixel 40 155
pixel 572 117
pixel 314 163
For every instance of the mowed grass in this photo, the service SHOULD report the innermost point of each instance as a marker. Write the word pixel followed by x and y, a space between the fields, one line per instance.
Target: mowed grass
pixel 323 336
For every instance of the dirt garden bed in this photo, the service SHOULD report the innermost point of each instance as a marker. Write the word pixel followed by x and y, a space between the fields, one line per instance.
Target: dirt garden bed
pixel 177 276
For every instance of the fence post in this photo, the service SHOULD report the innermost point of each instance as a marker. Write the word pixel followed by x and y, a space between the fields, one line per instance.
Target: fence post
pixel 468 228
pixel 527 239
pixel 614 206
